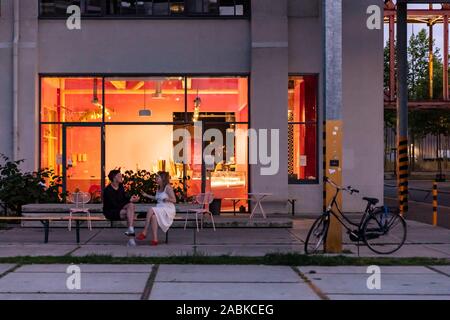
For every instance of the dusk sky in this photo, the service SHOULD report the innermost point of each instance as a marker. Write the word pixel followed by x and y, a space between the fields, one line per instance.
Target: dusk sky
pixel 437 29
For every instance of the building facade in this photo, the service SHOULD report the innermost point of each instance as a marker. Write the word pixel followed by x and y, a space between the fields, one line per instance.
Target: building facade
pixel 114 92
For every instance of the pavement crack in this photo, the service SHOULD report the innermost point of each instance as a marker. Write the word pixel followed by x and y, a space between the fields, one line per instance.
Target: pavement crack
pixel 150 281
pixel 310 284
pixel 438 271
pixel 10 270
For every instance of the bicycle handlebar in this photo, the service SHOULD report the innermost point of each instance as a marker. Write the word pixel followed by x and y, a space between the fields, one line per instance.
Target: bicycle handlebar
pixel 349 189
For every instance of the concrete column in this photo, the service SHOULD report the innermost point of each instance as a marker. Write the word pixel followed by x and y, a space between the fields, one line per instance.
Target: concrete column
pixel 332 76
pixel 28 85
pixel 269 86
pixel 6 88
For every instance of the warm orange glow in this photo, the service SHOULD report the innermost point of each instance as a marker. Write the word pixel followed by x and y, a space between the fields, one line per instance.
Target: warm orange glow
pixel 147 145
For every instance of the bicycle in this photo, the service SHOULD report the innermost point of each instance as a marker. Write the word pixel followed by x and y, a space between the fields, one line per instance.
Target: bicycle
pixel 382 229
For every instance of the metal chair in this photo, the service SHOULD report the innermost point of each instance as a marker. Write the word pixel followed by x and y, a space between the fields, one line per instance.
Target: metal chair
pixel 80 199
pixel 204 200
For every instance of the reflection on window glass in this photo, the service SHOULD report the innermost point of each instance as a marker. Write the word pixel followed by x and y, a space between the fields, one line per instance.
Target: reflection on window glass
pixel 302 128
pixel 56 8
pixel 144 8
pixel 93 7
pixel 160 7
pixel 129 8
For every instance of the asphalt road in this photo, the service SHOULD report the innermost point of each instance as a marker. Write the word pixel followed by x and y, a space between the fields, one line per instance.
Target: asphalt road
pixel 420 190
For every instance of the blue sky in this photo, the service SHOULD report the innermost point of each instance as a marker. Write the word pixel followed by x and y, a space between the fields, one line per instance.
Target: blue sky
pixel 437 29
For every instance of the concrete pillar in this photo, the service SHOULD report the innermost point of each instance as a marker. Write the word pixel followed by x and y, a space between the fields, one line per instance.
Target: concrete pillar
pixel 6 101
pixel 269 86
pixel 332 82
pixel 28 112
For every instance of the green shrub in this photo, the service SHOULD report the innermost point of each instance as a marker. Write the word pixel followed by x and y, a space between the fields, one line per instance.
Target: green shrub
pixel 18 188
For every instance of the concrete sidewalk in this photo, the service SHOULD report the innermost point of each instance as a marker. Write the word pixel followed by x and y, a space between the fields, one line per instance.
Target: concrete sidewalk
pixel 214 282
pixel 423 241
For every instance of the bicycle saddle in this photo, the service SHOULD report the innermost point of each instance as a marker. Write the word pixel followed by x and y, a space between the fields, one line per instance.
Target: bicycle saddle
pixel 372 201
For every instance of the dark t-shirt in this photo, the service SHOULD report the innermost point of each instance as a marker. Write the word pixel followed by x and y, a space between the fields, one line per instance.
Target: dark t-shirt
pixel 114 201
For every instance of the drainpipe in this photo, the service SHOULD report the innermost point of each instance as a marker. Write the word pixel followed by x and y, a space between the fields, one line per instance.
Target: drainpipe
pixel 16 40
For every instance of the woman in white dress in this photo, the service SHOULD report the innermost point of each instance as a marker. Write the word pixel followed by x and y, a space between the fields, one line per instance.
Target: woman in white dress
pixel 163 214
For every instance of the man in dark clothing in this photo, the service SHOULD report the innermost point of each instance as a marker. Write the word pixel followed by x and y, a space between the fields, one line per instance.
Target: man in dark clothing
pixel 116 204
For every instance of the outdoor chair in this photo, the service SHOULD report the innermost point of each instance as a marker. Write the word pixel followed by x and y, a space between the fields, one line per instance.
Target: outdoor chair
pixel 80 199
pixel 203 200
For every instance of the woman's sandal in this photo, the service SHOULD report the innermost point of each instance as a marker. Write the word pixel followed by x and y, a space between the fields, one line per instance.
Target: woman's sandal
pixel 154 243
pixel 141 236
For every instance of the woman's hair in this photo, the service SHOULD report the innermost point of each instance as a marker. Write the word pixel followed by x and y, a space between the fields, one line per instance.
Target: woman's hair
pixel 165 178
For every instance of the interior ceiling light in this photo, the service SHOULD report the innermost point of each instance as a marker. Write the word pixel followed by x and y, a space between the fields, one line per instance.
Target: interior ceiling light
pixel 145 112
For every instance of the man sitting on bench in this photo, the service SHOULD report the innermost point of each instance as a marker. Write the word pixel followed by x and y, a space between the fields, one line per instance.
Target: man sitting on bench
pixel 116 205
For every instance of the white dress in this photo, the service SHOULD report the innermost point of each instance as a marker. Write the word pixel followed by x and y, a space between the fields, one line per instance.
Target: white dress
pixel 164 211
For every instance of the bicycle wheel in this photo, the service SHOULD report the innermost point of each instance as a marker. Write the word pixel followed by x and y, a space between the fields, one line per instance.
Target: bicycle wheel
pixel 384 232
pixel 317 235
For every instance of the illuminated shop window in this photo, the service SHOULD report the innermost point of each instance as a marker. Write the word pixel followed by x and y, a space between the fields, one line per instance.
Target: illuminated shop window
pixel 302 129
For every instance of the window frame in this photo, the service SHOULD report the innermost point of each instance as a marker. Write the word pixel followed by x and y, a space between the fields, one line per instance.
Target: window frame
pixel 102 123
pixel 316 123
pixel 105 16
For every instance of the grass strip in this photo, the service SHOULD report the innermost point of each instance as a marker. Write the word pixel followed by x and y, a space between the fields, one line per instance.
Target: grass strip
pixel 269 259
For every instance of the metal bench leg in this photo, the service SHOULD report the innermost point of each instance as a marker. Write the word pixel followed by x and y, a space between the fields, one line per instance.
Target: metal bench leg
pixel 212 220
pixel 77 224
pixel 70 221
pixel 89 221
pixel 46 224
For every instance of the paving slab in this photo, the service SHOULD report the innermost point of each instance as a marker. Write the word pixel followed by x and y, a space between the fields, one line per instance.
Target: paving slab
pixel 443 269
pixel 87 268
pixel 20 249
pixel 226 273
pixel 68 296
pixel 161 250
pixel 56 283
pixel 395 284
pixel 231 291
pixel 407 251
pixel 248 250
pixel 246 236
pixel 36 235
pixel 6 267
pixel 387 297
pixel 311 270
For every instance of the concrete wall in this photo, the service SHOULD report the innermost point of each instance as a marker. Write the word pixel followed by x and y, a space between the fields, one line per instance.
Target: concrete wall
pixel 6 88
pixel 363 104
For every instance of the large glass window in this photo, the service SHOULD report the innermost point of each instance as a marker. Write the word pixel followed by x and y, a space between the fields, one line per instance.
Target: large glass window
pixel 72 100
pixel 147 8
pixel 302 129
pixel 90 125
pixel 144 99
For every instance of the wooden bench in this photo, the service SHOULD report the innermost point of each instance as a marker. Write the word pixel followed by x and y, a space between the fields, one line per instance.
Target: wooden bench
pixel 235 201
pixel 46 220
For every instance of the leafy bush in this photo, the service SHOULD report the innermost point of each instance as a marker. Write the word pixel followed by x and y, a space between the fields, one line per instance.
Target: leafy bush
pixel 18 188
pixel 143 180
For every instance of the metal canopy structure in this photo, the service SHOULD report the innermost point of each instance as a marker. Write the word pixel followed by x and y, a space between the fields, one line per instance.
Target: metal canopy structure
pixel 398 15
pixel 430 17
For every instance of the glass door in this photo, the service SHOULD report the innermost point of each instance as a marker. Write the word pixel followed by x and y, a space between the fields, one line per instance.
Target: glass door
pixel 82 156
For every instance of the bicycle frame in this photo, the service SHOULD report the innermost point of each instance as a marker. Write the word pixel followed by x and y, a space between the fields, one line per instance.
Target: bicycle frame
pixel 334 204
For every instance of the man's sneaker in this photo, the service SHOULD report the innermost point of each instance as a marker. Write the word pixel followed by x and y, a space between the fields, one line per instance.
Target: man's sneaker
pixel 131 243
pixel 129 234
